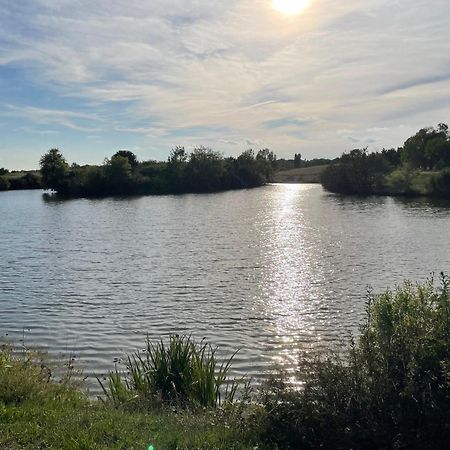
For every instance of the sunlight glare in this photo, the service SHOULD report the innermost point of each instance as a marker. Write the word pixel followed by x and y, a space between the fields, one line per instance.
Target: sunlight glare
pixel 290 7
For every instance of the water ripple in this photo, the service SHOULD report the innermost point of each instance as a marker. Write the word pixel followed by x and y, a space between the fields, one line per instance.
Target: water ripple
pixel 270 271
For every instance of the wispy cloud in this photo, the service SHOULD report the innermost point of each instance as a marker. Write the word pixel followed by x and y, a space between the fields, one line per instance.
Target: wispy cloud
pixel 163 72
pixel 68 119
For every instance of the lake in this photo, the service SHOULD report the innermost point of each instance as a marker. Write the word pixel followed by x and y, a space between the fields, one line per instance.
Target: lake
pixel 269 271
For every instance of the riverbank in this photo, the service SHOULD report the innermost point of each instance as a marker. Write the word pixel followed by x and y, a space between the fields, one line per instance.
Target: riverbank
pixel 389 389
pixel 420 168
pixel 38 412
pixel 401 182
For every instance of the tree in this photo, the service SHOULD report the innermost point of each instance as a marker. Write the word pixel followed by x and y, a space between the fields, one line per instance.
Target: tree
pixel 266 154
pixel 178 155
pixel 437 151
pixel 3 171
pixel 267 163
pixel 118 172
pixel 297 160
pixel 54 171
pixel 429 148
pixel 204 170
pixel 392 156
pixel 357 173
pixel 132 159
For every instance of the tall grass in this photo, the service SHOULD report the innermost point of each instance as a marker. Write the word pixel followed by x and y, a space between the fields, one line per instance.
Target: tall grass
pixel 390 390
pixel 180 372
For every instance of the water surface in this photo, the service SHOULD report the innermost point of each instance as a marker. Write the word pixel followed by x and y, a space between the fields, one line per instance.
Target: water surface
pixel 268 271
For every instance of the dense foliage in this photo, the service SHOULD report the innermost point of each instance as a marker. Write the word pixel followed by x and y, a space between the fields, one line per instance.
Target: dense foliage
pixel 419 167
pixel 391 390
pixel 357 172
pixel 202 170
pixel 19 180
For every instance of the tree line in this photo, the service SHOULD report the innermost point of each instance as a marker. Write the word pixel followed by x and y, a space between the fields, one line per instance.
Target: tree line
pixel 15 180
pixel 298 162
pixel 202 170
pixel 420 167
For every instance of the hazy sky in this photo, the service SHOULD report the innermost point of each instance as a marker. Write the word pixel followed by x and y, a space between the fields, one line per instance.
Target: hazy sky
pixel 92 77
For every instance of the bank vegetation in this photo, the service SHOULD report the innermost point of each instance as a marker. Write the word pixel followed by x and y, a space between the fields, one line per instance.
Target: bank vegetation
pixel 389 390
pixel 202 170
pixel 420 167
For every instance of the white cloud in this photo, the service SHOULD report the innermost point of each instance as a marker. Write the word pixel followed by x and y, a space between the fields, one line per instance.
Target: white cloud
pixel 67 119
pixel 149 67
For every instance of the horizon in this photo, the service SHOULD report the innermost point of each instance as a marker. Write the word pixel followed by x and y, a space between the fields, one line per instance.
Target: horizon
pixel 316 78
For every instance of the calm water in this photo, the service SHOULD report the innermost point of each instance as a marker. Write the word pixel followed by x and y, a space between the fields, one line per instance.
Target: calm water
pixel 269 270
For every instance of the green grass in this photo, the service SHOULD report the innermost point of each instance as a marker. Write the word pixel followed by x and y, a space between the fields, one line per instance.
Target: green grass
pixel 38 413
pixel 68 424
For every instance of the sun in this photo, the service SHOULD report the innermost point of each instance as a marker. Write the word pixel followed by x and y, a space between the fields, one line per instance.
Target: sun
pixel 290 7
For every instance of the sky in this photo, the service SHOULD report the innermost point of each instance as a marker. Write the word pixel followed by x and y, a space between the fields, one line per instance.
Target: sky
pixel 92 77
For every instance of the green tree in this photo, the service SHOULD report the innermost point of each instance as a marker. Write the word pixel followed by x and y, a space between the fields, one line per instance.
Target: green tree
pixel 428 148
pixel 204 170
pixel 178 155
pixel 267 163
pixel 437 151
pixel 356 173
pixel 176 169
pixel 132 158
pixel 54 171
pixel 118 172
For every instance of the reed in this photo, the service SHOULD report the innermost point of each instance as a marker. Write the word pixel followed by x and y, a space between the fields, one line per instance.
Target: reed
pixel 180 372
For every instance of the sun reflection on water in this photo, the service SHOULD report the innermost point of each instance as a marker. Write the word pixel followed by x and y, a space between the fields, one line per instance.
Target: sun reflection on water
pixel 293 278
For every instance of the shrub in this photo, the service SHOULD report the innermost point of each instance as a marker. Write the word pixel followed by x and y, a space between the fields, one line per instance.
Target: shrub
pixel 400 181
pixel 441 183
pixel 390 390
pixel 357 172
pixel 4 184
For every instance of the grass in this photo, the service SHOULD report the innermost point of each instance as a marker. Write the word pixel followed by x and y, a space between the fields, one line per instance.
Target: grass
pixel 37 412
pixel 300 175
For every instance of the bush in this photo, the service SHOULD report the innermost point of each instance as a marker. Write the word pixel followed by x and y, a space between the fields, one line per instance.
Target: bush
pixel 390 390
pixel 4 184
pixel 357 172
pixel 400 181
pixel 441 183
